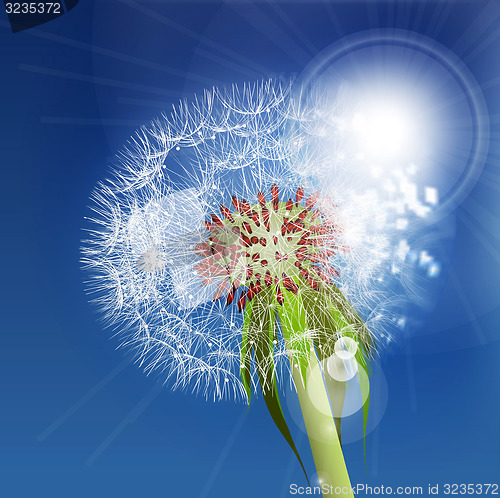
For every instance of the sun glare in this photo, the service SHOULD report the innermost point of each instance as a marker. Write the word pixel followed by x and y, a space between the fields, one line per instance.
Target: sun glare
pixel 385 131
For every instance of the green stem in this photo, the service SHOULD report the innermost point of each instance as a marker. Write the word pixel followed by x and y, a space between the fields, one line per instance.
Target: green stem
pixel 323 438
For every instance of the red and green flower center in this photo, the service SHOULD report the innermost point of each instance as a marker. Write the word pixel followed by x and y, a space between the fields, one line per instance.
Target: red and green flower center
pixel 271 243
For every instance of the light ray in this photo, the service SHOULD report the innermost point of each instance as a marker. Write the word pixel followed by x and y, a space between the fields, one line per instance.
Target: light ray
pixel 221 61
pixel 410 370
pixel 439 18
pixel 257 18
pixel 490 180
pixel 138 409
pixel 64 120
pixel 219 463
pixel 489 222
pixel 308 44
pixel 469 44
pixel 472 226
pixel 83 400
pixel 95 80
pixel 113 54
pixel 154 104
pixel 418 16
pixel 195 36
pixel 469 311
pixel 292 465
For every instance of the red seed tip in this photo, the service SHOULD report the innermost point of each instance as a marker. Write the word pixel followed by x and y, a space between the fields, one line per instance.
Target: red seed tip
pixel 247 227
pixel 313 283
pixel 258 287
pixel 237 282
pixel 319 229
pixel 289 284
pixel 321 274
pixel 230 296
pixel 280 257
pixel 311 201
pixel 236 203
pixel 265 214
pixel 331 271
pixel 241 302
pixel 274 191
pixel 202 249
pixel 217 221
pixel 268 280
pixel 279 295
pixel 226 213
pixel 300 194
pixel 245 206
pixel 221 289
pixel 255 217
pixel 304 274
pixel 245 241
pixel 251 292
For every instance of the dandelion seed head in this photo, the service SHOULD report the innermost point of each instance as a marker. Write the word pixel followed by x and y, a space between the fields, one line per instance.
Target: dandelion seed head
pixel 209 204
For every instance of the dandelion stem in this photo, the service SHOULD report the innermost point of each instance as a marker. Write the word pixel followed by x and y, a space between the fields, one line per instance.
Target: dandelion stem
pixel 323 438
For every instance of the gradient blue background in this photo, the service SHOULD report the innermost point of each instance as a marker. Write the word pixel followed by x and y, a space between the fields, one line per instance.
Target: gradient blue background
pixel 76 419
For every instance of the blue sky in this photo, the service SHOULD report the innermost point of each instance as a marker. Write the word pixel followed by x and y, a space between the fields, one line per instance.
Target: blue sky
pixel 77 417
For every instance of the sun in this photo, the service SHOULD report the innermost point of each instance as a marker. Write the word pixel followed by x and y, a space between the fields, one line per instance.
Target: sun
pixel 385 130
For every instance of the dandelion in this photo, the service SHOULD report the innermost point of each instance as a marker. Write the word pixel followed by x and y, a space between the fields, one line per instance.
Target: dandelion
pixel 230 269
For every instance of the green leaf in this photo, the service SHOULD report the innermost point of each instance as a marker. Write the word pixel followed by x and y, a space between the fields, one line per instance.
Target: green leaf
pixel 330 308
pixel 346 315
pixel 246 353
pixel 260 331
pixel 320 321
pixel 292 319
